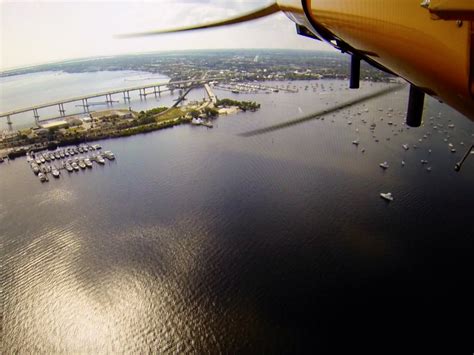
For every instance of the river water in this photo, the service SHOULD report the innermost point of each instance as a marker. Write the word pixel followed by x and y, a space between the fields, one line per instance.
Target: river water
pixel 199 240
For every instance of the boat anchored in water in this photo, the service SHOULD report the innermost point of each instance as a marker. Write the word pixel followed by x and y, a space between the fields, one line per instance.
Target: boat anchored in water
pixel 384 165
pixel 88 162
pixel 55 172
pixel 109 155
pixel 42 177
pixel 387 196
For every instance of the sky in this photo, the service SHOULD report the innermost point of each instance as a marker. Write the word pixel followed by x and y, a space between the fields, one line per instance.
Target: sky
pixel 35 32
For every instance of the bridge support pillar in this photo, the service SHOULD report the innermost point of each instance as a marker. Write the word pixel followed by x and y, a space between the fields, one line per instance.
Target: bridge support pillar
pixel 85 105
pixel 108 99
pixel 62 111
pixel 37 117
pixel 9 122
pixel 126 96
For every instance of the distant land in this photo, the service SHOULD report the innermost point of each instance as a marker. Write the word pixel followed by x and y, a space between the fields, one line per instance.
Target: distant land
pixel 232 64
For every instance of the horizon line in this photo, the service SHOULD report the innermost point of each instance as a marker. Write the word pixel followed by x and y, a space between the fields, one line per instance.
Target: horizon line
pixel 79 59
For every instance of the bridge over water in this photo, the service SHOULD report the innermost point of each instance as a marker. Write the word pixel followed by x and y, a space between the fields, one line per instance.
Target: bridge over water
pixel 144 90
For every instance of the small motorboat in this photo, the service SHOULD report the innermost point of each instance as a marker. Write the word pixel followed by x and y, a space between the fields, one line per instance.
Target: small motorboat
pixel 88 162
pixel 42 177
pixel 387 196
pixel 384 165
pixel 55 172
pixel 109 155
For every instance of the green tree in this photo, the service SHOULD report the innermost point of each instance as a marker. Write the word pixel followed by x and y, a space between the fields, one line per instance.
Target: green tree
pixel 211 112
pixel 194 113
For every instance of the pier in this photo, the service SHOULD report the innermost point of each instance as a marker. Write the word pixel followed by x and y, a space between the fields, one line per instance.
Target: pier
pixel 83 101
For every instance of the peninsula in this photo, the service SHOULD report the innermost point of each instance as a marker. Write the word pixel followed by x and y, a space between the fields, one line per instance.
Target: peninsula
pixel 114 123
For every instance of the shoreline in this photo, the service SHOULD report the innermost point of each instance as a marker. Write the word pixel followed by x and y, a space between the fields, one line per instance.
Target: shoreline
pixel 110 123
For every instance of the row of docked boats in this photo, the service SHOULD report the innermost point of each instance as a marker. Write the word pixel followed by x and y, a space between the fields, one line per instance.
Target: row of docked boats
pixel 44 157
pixel 71 164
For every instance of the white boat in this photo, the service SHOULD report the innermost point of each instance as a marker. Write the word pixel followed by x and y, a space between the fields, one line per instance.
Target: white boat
pixel 68 167
pixel 42 177
pixel 428 168
pixel 109 155
pixel 35 168
pixel 196 121
pixel 55 172
pixel 356 142
pixel 405 146
pixel 81 164
pixel 75 166
pixel 100 160
pixel 424 161
pixel 88 162
pixel 384 165
pixel 387 196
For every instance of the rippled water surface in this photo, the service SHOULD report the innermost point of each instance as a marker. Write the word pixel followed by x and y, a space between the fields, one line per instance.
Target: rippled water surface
pixel 201 240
